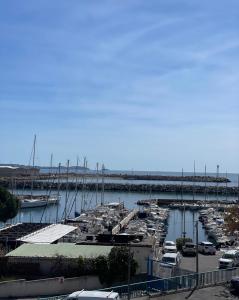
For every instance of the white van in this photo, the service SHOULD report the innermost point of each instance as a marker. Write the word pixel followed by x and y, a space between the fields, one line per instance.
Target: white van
pixel 171 259
pixel 229 259
pixel 169 247
pixel 93 295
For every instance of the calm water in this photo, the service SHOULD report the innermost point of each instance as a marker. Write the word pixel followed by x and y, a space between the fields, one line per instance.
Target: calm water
pixel 175 227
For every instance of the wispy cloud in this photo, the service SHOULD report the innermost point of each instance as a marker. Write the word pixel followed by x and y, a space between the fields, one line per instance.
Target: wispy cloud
pixel 119 74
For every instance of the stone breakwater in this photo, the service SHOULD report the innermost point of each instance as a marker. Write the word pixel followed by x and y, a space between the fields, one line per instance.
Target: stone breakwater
pixel 120 187
pixel 132 177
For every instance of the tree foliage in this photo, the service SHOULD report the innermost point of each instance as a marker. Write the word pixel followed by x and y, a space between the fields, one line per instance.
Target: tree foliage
pixel 181 241
pixel 231 219
pixel 118 260
pixel 102 269
pixel 9 205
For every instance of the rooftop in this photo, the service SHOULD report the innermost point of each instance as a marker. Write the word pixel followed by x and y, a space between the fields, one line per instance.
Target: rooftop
pixel 47 235
pixel 68 250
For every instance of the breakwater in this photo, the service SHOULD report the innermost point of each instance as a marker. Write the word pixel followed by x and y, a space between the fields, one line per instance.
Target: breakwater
pixel 187 203
pixel 121 187
pixel 123 176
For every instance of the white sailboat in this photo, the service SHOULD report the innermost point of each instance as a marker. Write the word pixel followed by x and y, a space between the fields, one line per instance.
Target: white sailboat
pixel 33 201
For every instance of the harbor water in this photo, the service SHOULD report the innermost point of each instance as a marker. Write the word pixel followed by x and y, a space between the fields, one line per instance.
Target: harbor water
pixel 75 201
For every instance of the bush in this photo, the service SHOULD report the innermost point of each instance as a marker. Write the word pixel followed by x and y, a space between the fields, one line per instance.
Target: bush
pixel 9 205
pixel 181 241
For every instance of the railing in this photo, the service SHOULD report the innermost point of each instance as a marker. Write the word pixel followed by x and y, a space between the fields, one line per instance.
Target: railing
pixel 174 284
pixel 167 285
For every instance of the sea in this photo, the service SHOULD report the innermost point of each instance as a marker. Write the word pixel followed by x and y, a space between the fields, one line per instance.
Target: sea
pixel 72 201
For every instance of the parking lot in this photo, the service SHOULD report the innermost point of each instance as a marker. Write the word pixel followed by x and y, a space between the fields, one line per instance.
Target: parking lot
pixel 206 262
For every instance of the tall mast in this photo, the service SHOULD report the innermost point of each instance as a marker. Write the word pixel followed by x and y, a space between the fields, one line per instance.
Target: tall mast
pixel 83 186
pixel 205 183
pixel 67 183
pixel 76 189
pixel 217 183
pixel 184 227
pixel 97 184
pixel 194 175
pixel 33 161
pixel 226 185
pixel 103 185
pixel 58 191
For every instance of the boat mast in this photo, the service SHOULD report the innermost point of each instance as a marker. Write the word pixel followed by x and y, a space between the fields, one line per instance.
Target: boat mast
pixel 205 183
pixel 184 225
pixel 67 186
pixel 58 191
pixel 217 183
pixel 33 161
pixel 83 186
pixel 194 175
pixel 103 185
pixel 226 185
pixel 76 188
pixel 97 184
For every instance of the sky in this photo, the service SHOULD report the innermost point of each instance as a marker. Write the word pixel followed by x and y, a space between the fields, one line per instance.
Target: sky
pixel 136 85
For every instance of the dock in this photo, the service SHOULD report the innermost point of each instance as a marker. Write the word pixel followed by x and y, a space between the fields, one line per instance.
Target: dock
pixel 123 223
pixel 189 203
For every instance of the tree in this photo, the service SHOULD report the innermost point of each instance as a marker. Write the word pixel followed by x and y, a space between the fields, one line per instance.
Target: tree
pixel 102 269
pixel 118 264
pixel 231 219
pixel 181 241
pixel 9 205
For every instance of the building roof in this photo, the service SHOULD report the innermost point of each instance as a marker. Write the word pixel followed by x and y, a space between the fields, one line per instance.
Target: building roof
pixel 68 250
pixel 47 235
pixel 13 232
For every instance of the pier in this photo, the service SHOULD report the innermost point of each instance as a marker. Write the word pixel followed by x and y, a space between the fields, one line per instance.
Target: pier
pixel 125 221
pixel 189 203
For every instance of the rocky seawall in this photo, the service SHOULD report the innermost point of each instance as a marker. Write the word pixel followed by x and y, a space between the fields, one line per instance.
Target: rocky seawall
pixel 121 187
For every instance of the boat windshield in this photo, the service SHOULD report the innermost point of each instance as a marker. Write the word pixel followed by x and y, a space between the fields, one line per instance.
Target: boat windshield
pixel 168 260
pixel 169 244
pixel 228 256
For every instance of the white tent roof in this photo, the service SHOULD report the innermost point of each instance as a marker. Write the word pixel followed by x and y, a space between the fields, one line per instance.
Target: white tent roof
pixel 47 235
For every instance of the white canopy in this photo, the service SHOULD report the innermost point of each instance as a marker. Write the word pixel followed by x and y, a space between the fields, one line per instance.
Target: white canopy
pixel 47 235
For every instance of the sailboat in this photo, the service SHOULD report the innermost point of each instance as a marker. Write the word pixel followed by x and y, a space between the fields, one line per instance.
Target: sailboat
pixel 32 201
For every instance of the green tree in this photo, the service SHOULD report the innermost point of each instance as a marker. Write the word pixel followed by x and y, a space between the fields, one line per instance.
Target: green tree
pixel 102 269
pixel 181 241
pixel 9 205
pixel 118 264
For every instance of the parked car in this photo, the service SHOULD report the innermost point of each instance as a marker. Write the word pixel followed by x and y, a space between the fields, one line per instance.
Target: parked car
pixel 206 248
pixel 171 259
pixel 93 295
pixel 189 249
pixel 229 259
pixel 169 247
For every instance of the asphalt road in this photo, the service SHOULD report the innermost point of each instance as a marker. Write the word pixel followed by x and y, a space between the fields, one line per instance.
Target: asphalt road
pixel 206 262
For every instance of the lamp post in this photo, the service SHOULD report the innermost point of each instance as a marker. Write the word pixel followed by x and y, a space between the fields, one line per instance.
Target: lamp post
pixel 129 271
pixel 197 261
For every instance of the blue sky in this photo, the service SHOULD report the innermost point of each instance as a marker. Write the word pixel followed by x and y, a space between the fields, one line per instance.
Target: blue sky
pixel 143 85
